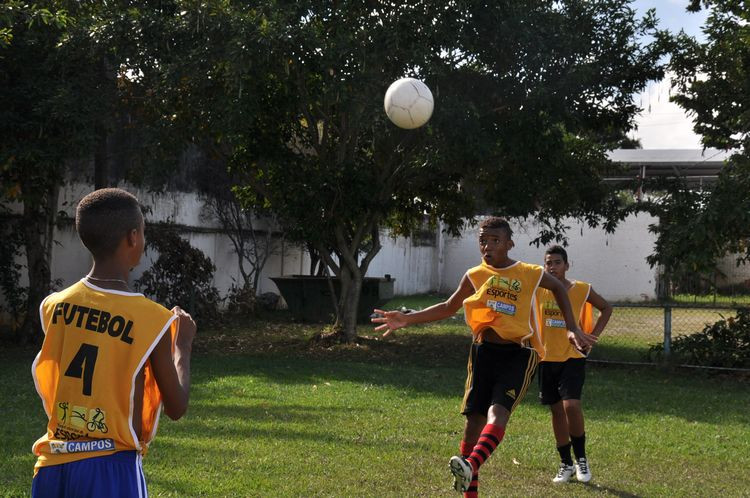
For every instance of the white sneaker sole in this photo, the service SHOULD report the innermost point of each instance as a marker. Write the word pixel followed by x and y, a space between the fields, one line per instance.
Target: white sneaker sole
pixel 458 469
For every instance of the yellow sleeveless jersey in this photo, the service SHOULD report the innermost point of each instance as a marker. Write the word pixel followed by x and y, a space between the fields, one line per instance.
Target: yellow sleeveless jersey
pixel 96 342
pixel 552 323
pixel 504 300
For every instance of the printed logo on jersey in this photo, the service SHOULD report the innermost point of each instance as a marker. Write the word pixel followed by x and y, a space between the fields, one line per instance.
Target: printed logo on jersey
pixel 558 324
pixel 552 314
pixel 78 416
pixel 510 284
pixel 551 305
pixel 503 288
pixel 501 307
pixel 511 393
pixel 81 446
pixel 78 421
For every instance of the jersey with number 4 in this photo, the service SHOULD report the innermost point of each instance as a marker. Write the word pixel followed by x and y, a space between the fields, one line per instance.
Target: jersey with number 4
pixel 96 342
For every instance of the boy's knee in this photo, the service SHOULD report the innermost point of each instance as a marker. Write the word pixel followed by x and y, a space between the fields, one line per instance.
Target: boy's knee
pixel 475 422
pixel 572 405
pixel 498 415
pixel 557 408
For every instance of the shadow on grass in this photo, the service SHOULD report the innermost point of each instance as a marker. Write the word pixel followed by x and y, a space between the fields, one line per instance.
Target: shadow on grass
pixel 606 489
pixel 619 392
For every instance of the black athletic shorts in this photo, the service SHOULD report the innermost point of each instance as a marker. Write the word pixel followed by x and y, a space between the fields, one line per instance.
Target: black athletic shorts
pixel 561 380
pixel 498 374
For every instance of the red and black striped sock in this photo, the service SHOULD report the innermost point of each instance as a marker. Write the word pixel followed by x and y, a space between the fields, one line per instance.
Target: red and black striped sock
pixel 488 441
pixel 473 491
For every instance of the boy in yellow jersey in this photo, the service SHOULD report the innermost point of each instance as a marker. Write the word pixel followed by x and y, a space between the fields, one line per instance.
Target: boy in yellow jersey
pixel 110 358
pixel 562 370
pixel 498 297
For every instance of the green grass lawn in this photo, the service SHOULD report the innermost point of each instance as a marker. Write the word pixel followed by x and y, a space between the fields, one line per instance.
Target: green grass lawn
pixel 271 415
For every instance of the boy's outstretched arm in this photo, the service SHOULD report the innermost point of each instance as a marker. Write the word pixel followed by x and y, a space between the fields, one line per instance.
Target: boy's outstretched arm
pixel 173 374
pixel 392 320
pixel 605 311
pixel 581 341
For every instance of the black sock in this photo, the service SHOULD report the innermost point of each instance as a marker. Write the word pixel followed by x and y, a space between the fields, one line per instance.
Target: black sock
pixel 579 445
pixel 564 452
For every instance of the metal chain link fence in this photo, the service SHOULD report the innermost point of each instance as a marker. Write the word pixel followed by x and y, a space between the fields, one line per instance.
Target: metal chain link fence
pixel 635 331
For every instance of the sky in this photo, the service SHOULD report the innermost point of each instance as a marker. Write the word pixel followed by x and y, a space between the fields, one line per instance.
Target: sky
pixel 662 124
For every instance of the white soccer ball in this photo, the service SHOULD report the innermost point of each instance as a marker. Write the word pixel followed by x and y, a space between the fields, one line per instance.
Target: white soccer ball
pixel 408 103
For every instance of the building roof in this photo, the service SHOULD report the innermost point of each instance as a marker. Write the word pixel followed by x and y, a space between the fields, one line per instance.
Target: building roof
pixel 696 166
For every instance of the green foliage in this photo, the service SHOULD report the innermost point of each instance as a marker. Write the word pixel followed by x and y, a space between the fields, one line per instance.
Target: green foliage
pixel 289 94
pixel 698 226
pixel 54 92
pixel 180 276
pixel 725 343
pixel 14 13
pixel 13 300
pixel 711 79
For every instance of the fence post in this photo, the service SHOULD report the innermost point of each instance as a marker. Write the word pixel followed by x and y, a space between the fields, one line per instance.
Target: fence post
pixel 667 331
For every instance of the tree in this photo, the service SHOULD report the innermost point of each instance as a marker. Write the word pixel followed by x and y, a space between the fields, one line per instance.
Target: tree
pixel 711 78
pixel 252 245
pixel 58 94
pixel 35 100
pixel 290 95
pixel 698 225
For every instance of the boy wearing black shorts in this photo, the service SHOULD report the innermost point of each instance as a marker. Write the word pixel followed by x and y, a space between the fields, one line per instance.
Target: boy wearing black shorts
pixel 562 370
pixel 499 300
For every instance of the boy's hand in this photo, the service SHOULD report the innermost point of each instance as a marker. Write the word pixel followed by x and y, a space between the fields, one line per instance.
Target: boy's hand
pixel 391 320
pixel 582 342
pixel 186 327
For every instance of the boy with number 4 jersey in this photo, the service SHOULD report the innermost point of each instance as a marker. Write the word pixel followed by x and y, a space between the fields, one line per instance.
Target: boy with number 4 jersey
pixel 562 370
pixel 109 359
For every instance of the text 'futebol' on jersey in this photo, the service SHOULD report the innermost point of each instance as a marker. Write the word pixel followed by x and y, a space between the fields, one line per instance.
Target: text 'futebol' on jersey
pixel 94 320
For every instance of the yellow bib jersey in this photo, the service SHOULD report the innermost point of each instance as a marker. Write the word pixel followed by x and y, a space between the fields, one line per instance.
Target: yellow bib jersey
pixel 505 301
pixel 552 323
pixel 96 342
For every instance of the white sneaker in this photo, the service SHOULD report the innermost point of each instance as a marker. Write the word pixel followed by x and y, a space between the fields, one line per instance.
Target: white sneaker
pixel 583 473
pixel 564 473
pixel 462 472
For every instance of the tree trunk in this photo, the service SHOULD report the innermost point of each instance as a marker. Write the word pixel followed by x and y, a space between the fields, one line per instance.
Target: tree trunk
pixel 38 230
pixel 351 277
pixel 351 287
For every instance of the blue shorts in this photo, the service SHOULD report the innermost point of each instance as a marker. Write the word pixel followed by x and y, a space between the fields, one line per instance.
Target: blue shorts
pixel 116 475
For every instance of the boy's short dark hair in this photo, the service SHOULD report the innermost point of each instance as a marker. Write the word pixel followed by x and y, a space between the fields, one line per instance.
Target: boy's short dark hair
pixel 497 222
pixel 557 249
pixel 104 217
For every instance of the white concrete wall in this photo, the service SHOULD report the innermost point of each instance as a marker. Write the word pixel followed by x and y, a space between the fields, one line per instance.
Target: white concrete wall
pixel 734 275
pixel 615 263
pixel 413 267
